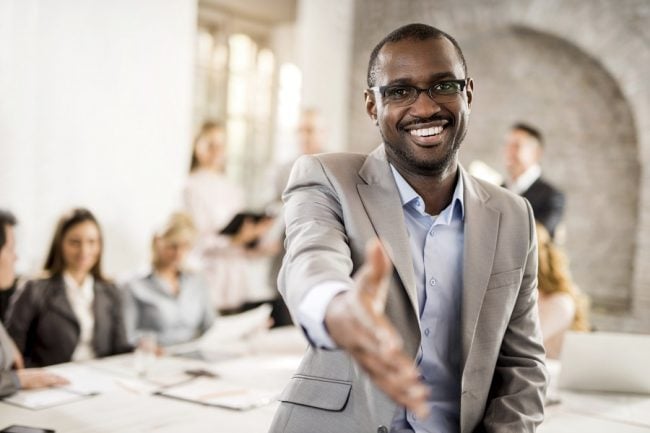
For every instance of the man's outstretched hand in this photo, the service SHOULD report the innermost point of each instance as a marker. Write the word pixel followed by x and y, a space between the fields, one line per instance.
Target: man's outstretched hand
pixel 357 323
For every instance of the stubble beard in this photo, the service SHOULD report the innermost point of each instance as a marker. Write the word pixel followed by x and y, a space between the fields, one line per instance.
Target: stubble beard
pixel 404 154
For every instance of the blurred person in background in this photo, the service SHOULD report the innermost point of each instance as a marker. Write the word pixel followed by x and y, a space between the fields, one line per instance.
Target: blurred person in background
pixel 523 152
pixel 212 200
pixel 21 378
pixel 74 313
pixel 8 281
pixel 170 301
pixel 311 140
pixel 562 306
pixel 311 137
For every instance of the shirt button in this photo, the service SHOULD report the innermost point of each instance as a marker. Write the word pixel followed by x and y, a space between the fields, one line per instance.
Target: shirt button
pixel 433 281
pixel 426 332
pixel 431 233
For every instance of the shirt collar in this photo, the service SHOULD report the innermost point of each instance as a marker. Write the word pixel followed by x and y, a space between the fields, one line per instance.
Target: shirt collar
pixel 163 284
pixel 408 196
pixel 85 289
pixel 527 178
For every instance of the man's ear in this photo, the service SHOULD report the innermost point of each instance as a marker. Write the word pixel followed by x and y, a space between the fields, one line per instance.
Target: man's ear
pixel 470 93
pixel 371 105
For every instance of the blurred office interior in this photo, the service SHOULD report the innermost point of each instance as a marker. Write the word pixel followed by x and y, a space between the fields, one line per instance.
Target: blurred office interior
pixel 99 102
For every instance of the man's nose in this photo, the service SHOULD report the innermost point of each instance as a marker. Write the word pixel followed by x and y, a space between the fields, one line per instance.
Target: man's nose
pixel 424 106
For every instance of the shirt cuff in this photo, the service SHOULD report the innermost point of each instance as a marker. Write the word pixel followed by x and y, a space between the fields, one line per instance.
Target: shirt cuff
pixel 311 312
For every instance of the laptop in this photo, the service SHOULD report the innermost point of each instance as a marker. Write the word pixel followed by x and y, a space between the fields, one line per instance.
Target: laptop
pixel 606 361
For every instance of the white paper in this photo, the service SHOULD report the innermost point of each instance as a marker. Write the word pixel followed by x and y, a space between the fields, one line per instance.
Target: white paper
pixel 162 372
pixel 227 338
pixel 235 327
pixel 45 398
pixel 219 393
pixel 84 379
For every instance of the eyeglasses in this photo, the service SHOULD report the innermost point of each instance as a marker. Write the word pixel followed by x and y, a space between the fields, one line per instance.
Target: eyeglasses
pixel 402 94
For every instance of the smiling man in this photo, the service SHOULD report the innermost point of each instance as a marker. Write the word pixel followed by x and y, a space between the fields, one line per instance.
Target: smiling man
pixel 435 328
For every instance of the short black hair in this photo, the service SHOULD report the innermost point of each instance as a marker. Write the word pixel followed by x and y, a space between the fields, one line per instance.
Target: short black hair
pixel 530 130
pixel 421 32
pixel 6 219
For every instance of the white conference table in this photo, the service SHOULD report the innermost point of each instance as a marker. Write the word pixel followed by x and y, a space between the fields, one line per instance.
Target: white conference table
pixel 127 405
pixel 598 413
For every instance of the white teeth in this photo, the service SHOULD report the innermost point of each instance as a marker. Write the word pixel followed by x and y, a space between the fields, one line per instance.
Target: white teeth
pixel 426 132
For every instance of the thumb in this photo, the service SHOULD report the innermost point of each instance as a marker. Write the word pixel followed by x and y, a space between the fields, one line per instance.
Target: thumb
pixel 378 270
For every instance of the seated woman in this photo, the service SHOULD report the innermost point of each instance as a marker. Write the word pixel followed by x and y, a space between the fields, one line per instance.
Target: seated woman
pixel 172 303
pixel 74 314
pixel 12 380
pixel 561 305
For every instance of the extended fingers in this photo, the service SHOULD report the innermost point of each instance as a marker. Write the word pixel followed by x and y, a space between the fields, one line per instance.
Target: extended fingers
pixel 398 378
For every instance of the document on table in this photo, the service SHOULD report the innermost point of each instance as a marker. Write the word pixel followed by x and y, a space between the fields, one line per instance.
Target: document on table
pixel 235 327
pixel 45 398
pixel 219 393
pixel 226 338
pixel 84 383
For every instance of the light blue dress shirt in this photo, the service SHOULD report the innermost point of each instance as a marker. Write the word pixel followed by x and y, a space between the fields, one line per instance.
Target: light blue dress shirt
pixel 436 244
pixel 149 305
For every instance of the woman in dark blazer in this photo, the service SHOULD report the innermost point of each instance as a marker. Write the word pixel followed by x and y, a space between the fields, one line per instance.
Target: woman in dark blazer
pixel 75 314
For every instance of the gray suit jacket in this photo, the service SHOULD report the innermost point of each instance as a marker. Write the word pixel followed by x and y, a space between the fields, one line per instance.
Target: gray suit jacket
pixel 46 330
pixel 335 203
pixel 8 379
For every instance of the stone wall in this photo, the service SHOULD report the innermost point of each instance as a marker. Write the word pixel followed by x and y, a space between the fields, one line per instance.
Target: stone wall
pixel 578 70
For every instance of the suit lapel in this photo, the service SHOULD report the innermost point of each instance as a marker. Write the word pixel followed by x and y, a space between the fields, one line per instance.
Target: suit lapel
pixel 101 304
pixel 59 300
pixel 481 229
pixel 381 200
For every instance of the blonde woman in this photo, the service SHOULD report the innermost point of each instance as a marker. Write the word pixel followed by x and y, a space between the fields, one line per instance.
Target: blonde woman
pixel 561 305
pixel 170 301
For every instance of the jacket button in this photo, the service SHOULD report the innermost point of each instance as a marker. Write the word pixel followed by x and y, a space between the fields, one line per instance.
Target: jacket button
pixel 382 429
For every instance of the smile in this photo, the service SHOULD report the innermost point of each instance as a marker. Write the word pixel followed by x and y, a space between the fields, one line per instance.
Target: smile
pixel 426 132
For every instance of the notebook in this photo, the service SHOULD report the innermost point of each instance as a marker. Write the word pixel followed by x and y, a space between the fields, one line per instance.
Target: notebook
pixel 605 361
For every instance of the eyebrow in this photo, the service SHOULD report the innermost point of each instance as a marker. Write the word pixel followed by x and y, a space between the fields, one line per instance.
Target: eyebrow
pixel 432 79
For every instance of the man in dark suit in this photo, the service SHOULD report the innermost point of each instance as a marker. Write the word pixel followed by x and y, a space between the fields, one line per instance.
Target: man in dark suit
pixel 523 151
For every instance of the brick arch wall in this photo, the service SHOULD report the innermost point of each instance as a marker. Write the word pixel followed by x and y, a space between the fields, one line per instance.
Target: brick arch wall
pixel 522 74
pixel 609 40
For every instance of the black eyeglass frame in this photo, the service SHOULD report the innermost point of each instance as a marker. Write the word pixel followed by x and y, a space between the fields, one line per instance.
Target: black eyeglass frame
pixel 429 91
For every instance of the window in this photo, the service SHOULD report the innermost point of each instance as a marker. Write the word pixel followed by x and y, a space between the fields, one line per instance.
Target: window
pixel 234 84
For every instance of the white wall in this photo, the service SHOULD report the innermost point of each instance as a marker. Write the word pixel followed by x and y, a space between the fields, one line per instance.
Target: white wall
pixel 324 37
pixel 95 111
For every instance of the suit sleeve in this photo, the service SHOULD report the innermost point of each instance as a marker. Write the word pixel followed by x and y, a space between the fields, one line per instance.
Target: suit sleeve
pixel 551 215
pixel 516 402
pixel 22 315
pixel 208 310
pixel 317 249
pixel 130 313
pixel 9 383
pixel 119 340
